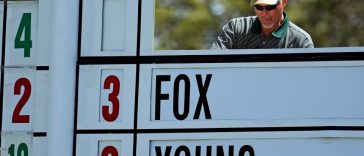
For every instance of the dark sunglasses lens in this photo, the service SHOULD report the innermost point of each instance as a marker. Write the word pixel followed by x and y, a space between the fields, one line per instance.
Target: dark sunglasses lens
pixel 258 7
pixel 268 7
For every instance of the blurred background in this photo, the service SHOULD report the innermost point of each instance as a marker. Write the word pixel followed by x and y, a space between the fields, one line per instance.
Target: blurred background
pixel 194 24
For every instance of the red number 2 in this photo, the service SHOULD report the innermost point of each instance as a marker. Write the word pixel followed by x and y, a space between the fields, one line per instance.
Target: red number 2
pixel 109 150
pixel 17 118
pixel 113 98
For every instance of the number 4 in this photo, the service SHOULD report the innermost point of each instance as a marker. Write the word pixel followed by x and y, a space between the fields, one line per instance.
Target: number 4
pixel 24 27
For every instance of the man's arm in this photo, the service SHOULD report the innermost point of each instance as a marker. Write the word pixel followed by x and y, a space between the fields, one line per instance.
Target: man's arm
pixel 225 39
pixel 308 43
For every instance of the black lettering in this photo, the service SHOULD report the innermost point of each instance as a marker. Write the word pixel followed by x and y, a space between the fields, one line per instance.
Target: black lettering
pixel 202 100
pixel 158 151
pixel 198 151
pixel 246 148
pixel 159 96
pixel 220 151
pixel 183 149
pixel 231 150
pixel 186 107
pixel 208 151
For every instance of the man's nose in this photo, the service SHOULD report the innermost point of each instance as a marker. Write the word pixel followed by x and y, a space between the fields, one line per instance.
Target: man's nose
pixel 264 12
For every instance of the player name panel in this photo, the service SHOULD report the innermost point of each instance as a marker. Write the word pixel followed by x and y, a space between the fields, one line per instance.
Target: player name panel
pixel 251 95
pixel 250 144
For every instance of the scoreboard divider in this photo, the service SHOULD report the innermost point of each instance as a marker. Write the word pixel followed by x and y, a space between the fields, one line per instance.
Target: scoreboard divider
pixel 75 112
pixel 2 66
pixel 221 130
pixel 137 77
pixel 40 134
pixel 79 37
pixel 254 129
pixel 226 58
pixel 42 68
pixel 76 109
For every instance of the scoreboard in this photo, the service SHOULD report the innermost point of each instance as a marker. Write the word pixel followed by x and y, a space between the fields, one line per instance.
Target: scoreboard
pixel 24 68
pixel 81 78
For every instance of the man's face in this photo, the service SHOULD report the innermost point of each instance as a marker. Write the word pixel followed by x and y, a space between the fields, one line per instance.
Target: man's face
pixel 270 19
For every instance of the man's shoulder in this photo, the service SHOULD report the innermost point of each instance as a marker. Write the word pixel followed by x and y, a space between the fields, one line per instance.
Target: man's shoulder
pixel 296 30
pixel 302 38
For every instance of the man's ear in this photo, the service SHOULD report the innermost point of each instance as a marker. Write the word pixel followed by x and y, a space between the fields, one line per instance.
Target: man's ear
pixel 284 2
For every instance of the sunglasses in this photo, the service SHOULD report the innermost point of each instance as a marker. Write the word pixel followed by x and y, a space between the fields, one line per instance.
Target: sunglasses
pixel 268 7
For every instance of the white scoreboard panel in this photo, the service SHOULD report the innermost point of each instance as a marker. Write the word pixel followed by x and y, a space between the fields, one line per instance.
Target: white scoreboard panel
pixel 106 92
pixel 106 97
pixel 21 33
pixel 109 27
pixel 131 100
pixel 134 100
pixel 24 69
